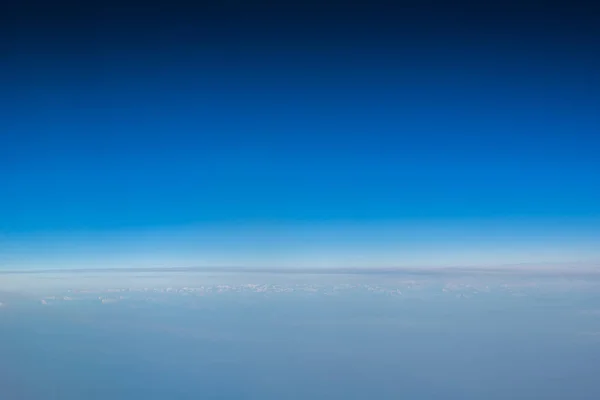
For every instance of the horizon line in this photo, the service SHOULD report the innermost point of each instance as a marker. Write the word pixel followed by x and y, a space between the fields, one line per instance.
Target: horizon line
pixel 569 269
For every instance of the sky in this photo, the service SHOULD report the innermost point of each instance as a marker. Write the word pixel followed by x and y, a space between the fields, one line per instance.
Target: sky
pixel 298 134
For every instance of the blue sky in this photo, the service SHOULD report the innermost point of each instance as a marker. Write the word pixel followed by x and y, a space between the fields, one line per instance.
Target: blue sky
pixel 121 138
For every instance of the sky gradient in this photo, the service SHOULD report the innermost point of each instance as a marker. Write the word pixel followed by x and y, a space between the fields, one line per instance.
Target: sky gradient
pixel 312 135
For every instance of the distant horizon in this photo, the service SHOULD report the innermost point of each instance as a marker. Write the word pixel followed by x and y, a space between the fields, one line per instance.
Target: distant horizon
pixel 542 268
pixel 389 244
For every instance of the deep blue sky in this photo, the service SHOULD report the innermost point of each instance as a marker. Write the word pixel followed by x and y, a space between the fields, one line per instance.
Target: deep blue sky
pixel 129 119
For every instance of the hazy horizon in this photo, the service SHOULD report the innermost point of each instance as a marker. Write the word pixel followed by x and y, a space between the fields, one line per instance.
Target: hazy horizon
pixel 438 243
